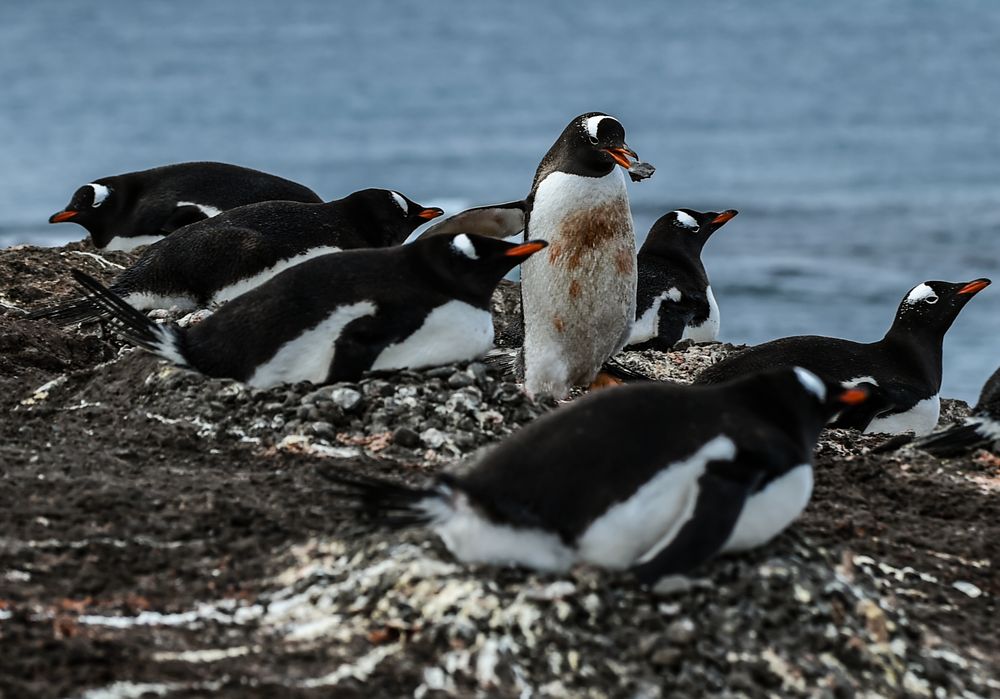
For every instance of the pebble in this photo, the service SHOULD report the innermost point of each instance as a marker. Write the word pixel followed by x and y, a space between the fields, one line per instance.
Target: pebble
pixel 347 399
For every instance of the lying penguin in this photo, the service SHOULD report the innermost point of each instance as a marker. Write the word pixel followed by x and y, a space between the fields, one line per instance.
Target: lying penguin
pixel 122 212
pixel 981 430
pixel 902 370
pixel 336 316
pixel 654 478
pixel 218 259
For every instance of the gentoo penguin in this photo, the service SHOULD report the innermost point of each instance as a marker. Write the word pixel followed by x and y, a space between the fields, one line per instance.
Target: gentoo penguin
pixel 335 316
pixel 215 260
pixel 124 211
pixel 902 370
pixel 981 429
pixel 656 478
pixel 579 297
pixel 674 300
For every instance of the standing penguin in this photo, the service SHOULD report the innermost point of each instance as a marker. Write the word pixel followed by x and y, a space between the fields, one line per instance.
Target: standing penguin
pixel 335 316
pixel 122 212
pixel 216 260
pixel 655 478
pixel 674 300
pixel 902 370
pixel 579 297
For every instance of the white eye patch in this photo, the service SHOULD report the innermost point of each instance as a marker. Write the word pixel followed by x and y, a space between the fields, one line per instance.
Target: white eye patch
pixel 100 193
pixel 685 220
pixel 463 245
pixel 400 201
pixel 593 123
pixel 811 382
pixel 921 292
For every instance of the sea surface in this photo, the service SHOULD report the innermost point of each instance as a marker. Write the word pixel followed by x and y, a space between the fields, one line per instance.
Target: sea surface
pixel 859 140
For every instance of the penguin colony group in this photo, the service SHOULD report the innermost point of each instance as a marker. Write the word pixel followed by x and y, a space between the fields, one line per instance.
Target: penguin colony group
pixel 652 477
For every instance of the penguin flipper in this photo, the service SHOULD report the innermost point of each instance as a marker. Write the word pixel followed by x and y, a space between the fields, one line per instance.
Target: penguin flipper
pixel 363 340
pixel 180 217
pixel 496 221
pixel 720 501
pixel 953 441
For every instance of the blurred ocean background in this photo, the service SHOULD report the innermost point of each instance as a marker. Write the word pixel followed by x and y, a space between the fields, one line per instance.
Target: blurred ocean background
pixel 860 140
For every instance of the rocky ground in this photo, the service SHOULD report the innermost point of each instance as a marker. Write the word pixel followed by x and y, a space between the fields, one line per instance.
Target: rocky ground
pixel 166 534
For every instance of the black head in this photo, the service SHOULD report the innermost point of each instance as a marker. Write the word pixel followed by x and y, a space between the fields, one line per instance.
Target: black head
pixel 385 217
pixel 469 267
pixel 684 229
pixel 930 308
pixel 93 206
pixel 591 145
pixel 797 400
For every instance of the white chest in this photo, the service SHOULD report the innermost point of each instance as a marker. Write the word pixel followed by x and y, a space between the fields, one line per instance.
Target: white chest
pixel 768 512
pixel 452 332
pixel 708 330
pixel 921 419
pixel 228 293
pixel 561 198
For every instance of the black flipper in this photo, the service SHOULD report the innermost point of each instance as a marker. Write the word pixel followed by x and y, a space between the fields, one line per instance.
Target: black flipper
pixel 721 497
pixel 363 339
pixel 954 441
pixel 182 216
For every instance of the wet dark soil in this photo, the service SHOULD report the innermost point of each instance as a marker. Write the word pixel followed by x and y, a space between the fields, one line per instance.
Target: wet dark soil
pixel 165 533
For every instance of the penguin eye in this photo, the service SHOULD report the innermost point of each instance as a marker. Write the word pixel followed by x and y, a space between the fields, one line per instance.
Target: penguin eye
pixel 593 140
pixel 931 299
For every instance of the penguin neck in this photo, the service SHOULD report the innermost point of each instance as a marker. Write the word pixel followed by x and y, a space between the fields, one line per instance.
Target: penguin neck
pixel 683 262
pixel 919 348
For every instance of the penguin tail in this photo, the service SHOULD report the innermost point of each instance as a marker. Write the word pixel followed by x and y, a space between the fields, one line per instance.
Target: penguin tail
pixel 384 504
pixel 507 360
pixel 68 313
pixel 953 441
pixel 166 341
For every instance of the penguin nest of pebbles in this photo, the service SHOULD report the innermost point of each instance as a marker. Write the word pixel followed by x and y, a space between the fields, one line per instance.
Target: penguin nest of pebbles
pixel 172 534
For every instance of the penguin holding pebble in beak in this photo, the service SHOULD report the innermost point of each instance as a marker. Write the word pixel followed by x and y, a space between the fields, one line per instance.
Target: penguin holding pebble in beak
pixel 213 261
pixel 336 316
pixel 122 212
pixel 654 478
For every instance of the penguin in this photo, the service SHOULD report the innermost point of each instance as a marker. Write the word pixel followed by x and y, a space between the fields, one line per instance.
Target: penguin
pixel 674 299
pixel 653 478
pixel 579 297
pixel 214 260
pixel 336 316
pixel 902 370
pixel 981 430
pixel 122 212
pixel 504 221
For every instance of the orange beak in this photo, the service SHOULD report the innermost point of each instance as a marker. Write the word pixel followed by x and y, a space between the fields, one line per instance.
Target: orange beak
pixel 853 396
pixel 432 212
pixel 526 249
pixel 723 217
pixel 62 216
pixel 621 155
pixel 974 287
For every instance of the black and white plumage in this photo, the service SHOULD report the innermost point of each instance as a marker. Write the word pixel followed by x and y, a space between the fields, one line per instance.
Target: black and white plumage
pixel 981 430
pixel 579 297
pixel 674 299
pixel 656 478
pixel 216 260
pixel 335 316
pixel 902 370
pixel 124 211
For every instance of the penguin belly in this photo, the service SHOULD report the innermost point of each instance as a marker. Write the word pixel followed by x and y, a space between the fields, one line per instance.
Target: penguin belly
pixel 579 295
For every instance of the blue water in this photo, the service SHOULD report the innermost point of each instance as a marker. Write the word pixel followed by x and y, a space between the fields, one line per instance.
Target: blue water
pixel 858 139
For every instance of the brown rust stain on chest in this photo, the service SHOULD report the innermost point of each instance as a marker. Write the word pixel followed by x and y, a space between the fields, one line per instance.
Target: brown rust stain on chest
pixel 586 232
